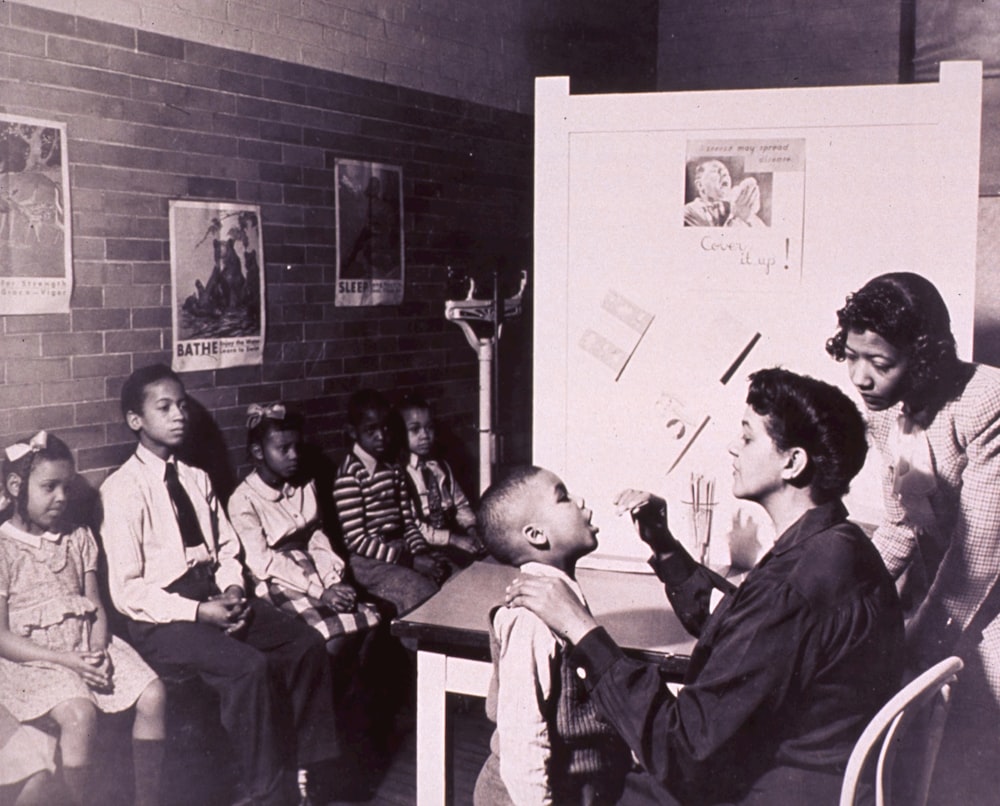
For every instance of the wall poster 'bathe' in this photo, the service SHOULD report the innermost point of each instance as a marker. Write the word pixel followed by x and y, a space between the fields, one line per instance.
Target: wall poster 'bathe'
pixel 36 262
pixel 216 269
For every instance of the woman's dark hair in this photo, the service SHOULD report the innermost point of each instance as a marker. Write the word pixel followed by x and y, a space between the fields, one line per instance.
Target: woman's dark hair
pixel 907 311
pixel 53 450
pixel 802 412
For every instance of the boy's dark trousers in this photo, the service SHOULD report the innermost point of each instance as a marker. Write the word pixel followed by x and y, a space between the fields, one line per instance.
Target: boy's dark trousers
pixel 276 666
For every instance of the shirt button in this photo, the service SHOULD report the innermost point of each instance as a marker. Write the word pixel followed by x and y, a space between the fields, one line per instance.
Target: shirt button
pixel 581 672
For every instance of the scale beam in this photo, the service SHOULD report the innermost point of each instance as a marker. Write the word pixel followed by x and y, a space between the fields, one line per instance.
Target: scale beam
pixel 466 313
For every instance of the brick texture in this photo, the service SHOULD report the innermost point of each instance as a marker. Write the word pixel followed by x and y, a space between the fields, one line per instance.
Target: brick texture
pixel 439 47
pixel 152 117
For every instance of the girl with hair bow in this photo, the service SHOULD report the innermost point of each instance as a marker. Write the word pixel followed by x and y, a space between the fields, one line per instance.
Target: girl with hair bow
pixel 57 657
pixel 291 558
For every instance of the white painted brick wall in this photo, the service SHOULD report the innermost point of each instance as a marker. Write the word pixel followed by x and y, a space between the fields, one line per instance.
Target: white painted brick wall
pixel 459 48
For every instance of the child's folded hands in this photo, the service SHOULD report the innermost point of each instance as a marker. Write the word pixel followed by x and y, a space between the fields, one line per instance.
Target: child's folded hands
pixel 340 597
pixel 88 666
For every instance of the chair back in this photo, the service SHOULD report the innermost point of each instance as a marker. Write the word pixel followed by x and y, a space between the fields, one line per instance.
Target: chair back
pixel 910 725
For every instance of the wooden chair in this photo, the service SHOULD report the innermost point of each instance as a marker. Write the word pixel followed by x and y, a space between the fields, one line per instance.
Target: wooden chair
pixel 908 726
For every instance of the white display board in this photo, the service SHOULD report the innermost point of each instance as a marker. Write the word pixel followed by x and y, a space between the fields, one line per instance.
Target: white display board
pixel 650 311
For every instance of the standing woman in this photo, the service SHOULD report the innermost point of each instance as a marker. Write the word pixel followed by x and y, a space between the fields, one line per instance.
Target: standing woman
pixel 936 422
pixel 791 665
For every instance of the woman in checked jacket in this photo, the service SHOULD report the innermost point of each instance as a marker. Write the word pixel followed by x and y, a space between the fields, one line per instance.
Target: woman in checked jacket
pixel 936 422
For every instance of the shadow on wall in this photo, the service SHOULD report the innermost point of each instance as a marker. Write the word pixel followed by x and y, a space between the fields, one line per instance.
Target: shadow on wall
pixel 206 448
pixel 315 463
pixel 986 338
pixel 987 343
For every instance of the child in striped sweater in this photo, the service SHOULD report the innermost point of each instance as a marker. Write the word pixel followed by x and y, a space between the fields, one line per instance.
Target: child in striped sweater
pixel 389 557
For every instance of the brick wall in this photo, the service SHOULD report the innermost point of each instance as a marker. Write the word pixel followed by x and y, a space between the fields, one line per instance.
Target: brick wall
pixel 466 49
pixel 152 118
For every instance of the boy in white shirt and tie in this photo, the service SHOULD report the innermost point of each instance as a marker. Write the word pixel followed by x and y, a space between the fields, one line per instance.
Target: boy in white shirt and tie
pixel 174 572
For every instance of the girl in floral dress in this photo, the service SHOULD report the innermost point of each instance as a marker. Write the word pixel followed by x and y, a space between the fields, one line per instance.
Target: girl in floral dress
pixel 58 662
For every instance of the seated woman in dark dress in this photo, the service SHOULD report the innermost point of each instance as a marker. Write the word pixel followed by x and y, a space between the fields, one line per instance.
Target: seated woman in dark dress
pixel 791 665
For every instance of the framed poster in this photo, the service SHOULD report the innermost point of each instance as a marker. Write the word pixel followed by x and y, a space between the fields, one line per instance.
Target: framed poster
pixel 369 233
pixel 216 272
pixel 36 261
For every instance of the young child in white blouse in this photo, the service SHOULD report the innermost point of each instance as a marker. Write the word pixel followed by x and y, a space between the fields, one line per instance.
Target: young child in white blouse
pixel 58 659
pixel 549 746
pixel 291 558
pixel 294 565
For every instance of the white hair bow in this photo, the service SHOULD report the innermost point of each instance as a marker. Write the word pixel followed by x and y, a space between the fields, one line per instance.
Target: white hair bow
pixel 34 445
pixel 256 413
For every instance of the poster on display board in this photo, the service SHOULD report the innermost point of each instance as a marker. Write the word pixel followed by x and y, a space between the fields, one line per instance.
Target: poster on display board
pixel 751 193
pixel 36 261
pixel 217 285
pixel 370 255
pixel 659 288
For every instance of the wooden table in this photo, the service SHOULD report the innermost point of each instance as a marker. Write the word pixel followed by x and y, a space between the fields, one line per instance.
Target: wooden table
pixel 453 652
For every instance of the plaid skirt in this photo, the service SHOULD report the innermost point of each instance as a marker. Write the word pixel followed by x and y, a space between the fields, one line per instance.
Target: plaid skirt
pixel 314 612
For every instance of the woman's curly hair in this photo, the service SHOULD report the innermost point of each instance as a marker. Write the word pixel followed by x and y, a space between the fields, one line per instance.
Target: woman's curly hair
pixel 907 311
pixel 803 412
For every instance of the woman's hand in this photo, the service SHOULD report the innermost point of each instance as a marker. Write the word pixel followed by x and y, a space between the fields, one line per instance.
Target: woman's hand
pixel 649 514
pixel 340 597
pixel 554 603
pixel 630 500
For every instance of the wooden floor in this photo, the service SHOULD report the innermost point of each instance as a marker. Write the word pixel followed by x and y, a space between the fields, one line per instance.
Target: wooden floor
pixel 199 771
pixel 469 734
pixel 469 731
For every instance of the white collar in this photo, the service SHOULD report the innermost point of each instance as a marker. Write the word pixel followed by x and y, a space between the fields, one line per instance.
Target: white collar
pixel 369 461
pixel 35 541
pixel 265 490
pixel 151 460
pixel 416 461
pixel 543 570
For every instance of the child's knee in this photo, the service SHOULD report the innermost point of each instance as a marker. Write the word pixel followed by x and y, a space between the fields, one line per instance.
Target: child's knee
pixel 152 703
pixel 75 716
pixel 339 647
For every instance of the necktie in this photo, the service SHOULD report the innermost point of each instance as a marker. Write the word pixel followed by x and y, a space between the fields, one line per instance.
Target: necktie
pixel 187 518
pixel 435 512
